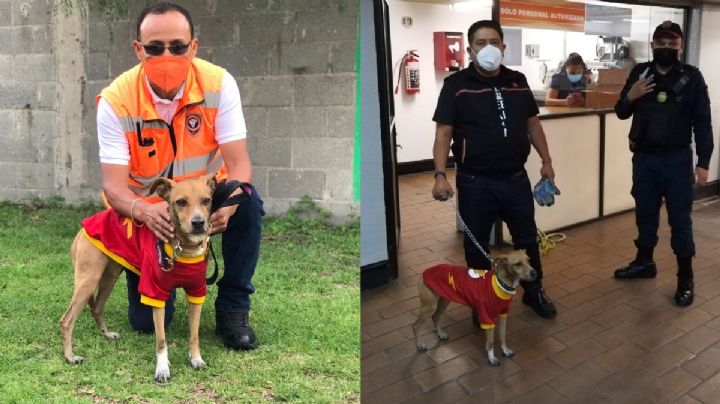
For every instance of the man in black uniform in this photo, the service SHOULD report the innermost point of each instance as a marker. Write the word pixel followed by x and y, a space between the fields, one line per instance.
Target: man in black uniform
pixel 488 111
pixel 668 101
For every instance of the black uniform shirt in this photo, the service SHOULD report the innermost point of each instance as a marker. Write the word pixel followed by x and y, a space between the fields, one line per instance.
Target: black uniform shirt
pixel 489 117
pixel 694 104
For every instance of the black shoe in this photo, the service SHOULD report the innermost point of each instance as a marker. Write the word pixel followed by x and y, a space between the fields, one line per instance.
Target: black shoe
pixel 684 295
pixel 235 330
pixel 539 302
pixel 637 270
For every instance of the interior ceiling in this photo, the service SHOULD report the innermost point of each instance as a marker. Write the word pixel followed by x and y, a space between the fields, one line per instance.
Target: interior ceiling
pixel 435 1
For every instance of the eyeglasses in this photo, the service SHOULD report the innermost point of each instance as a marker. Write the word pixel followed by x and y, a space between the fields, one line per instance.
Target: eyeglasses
pixel 157 50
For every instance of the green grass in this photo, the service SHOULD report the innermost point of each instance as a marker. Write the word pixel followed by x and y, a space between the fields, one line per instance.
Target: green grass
pixel 306 313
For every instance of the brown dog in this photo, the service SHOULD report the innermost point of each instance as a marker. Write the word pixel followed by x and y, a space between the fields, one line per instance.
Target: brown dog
pixel 488 292
pixel 189 204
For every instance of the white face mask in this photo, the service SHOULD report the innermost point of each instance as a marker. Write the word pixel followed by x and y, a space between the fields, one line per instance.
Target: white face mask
pixel 489 58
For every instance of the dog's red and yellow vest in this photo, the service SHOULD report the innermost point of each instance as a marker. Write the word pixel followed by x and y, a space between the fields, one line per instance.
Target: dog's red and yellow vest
pixel 136 249
pixel 476 288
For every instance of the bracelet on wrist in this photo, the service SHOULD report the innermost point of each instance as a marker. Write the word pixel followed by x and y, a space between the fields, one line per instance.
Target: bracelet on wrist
pixel 440 172
pixel 132 217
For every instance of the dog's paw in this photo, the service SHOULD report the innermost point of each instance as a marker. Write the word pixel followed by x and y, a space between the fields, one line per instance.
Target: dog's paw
pixel 162 376
pixel 197 363
pixel 111 335
pixel 422 347
pixel 508 353
pixel 494 361
pixel 443 336
pixel 75 360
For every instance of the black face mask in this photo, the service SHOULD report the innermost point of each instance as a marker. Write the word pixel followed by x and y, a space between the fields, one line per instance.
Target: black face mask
pixel 665 57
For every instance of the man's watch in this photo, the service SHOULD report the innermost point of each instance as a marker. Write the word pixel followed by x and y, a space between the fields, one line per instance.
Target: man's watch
pixel 440 172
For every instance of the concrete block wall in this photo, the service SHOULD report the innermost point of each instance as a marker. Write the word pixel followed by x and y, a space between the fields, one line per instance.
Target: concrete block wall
pixel 27 99
pixel 294 61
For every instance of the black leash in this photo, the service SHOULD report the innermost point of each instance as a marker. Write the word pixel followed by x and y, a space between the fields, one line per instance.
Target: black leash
pixel 211 280
pixel 221 198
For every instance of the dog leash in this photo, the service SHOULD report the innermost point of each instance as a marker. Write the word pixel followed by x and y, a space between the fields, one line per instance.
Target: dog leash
pixel 221 198
pixel 467 231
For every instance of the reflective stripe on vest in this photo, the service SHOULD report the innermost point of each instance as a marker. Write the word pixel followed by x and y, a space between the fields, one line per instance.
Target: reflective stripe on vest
pixel 189 168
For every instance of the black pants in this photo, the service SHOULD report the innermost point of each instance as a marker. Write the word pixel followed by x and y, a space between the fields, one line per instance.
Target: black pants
pixel 241 249
pixel 668 175
pixel 481 200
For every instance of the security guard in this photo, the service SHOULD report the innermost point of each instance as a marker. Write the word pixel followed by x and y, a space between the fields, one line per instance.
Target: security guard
pixel 490 115
pixel 668 101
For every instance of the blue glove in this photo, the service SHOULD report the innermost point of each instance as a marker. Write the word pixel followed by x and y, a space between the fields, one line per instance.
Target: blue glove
pixel 544 192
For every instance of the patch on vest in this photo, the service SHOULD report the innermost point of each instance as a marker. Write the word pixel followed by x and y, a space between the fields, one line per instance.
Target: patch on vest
pixel 477 273
pixel 193 123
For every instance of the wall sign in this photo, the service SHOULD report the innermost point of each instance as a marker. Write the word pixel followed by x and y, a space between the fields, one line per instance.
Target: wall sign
pixel 547 14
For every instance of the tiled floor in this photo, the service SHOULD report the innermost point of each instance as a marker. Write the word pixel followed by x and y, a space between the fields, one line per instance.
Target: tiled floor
pixel 612 341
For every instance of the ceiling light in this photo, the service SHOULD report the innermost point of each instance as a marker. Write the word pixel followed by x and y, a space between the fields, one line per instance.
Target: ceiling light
pixel 471 5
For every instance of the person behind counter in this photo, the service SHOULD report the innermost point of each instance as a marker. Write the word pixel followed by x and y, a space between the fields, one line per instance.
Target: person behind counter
pixel 566 87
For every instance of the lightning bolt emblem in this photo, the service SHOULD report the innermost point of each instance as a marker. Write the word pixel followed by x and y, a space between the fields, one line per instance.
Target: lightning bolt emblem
pixel 129 226
pixel 451 281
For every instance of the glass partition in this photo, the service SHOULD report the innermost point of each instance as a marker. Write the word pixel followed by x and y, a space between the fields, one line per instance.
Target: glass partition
pixel 605 34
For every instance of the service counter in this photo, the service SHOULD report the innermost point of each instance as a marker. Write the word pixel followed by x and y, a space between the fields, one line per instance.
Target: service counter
pixel 592 162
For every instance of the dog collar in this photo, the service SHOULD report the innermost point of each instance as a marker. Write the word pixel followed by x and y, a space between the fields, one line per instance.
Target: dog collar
pixel 505 288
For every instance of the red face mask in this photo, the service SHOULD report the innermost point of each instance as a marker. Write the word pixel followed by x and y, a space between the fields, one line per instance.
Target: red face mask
pixel 167 72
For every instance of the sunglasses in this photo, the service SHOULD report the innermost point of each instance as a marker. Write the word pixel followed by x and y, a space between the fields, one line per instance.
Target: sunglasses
pixel 157 50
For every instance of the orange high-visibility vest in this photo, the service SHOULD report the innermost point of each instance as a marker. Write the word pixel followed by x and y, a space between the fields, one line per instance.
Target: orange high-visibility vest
pixel 185 149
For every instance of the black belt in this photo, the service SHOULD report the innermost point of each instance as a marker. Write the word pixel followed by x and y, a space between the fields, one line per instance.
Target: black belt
pixel 491 175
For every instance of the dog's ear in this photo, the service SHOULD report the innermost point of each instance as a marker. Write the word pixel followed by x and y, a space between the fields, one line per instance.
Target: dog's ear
pixel 502 267
pixel 211 181
pixel 501 263
pixel 162 186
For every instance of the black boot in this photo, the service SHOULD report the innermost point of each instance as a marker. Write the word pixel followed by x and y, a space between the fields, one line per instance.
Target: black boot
pixel 235 330
pixel 535 297
pixel 685 294
pixel 642 267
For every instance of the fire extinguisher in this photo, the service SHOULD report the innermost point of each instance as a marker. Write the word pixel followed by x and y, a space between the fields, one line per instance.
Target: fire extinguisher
pixel 410 64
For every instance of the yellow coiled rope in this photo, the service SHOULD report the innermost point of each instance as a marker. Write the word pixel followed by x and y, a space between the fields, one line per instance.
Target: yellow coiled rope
pixel 546 242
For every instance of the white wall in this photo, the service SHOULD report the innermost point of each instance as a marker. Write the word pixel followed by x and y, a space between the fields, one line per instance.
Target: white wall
pixel 415 128
pixel 709 51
